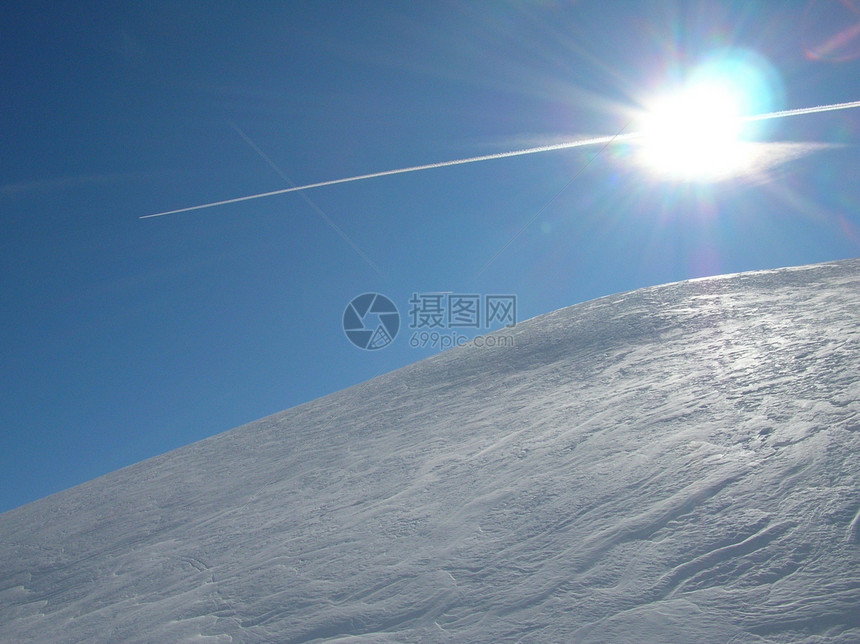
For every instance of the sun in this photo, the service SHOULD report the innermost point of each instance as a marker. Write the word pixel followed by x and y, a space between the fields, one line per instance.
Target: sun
pixel 704 129
pixel 696 134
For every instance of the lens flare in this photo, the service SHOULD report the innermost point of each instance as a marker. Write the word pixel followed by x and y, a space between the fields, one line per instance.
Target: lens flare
pixel 702 131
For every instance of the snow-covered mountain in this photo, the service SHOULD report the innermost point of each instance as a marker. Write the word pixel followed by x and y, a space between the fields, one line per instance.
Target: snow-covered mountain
pixel 676 464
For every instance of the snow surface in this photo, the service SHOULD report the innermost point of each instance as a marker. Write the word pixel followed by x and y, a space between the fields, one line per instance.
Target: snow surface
pixel 676 464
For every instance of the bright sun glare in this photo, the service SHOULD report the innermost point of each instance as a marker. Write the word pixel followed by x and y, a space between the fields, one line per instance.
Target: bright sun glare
pixel 696 134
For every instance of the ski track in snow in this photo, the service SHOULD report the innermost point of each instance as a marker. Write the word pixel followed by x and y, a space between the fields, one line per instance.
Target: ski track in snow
pixel 674 464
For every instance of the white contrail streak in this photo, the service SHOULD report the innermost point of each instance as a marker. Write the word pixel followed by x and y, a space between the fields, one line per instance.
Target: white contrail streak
pixel 489 157
pixel 803 110
pixel 430 166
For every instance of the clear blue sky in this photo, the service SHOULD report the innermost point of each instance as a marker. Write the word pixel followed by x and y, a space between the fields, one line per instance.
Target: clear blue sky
pixel 123 338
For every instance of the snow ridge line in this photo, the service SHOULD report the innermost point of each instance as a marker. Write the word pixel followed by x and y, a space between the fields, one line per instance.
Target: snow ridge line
pixel 853 533
pixel 680 575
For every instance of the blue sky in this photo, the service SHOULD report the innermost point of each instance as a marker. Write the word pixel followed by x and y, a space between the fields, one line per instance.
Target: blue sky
pixel 123 338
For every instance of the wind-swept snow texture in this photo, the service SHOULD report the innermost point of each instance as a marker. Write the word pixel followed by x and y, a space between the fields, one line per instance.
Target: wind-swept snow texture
pixel 676 464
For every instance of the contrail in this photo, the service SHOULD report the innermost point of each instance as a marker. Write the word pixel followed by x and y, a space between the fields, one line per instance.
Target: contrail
pixel 430 166
pixel 598 140
pixel 803 110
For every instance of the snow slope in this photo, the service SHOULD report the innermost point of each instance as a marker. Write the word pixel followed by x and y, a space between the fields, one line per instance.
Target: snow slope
pixel 675 464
